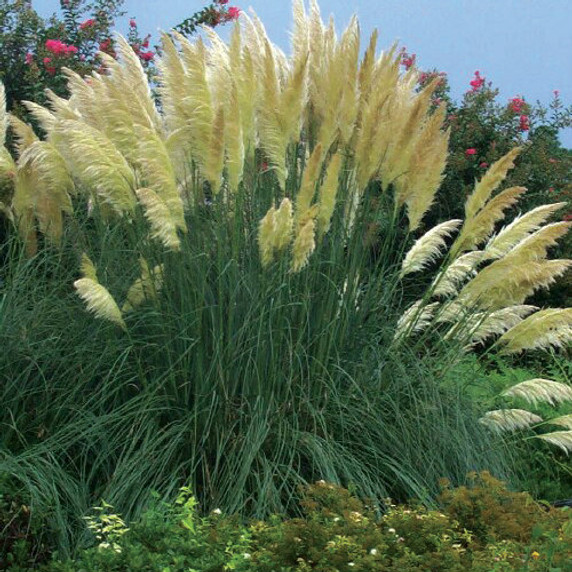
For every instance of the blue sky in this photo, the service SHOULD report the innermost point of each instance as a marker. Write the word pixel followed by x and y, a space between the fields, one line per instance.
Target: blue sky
pixel 523 46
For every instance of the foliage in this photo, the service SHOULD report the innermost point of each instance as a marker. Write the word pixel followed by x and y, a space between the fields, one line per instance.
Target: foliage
pixel 336 532
pixel 266 311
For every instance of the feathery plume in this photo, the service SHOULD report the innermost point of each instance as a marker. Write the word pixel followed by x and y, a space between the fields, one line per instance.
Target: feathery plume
pixel 158 173
pixel 478 228
pixel 234 139
pixel 99 301
pixel 327 195
pixel 496 323
pixel 144 288
pixel 303 246
pixel 3 115
pixel 448 281
pixel 490 181
pixel 415 319
pixel 45 118
pixel 284 225
pixel 308 186
pixel 546 328
pixel 562 421
pixel 562 439
pixel 540 390
pixel 501 420
pixel 95 160
pixel 215 157
pixel 519 229
pixel 429 247
pixel 23 133
pixel 87 268
pixel 160 217
pixel 535 245
pixel 266 233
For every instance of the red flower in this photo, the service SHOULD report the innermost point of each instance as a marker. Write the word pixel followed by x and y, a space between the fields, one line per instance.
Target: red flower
pixel 470 151
pixel 407 60
pixel 516 104
pixel 147 56
pixel 233 12
pixel 567 217
pixel 105 45
pixel 222 2
pixel 523 123
pixel 133 23
pixel 556 93
pixel 47 60
pixel 483 165
pixel 87 24
pixel 58 48
pixel 477 82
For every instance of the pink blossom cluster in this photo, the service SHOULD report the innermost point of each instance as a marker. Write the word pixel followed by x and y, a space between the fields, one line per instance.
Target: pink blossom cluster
pixel 407 60
pixel 90 23
pixel 477 82
pixel 59 48
pixel 516 104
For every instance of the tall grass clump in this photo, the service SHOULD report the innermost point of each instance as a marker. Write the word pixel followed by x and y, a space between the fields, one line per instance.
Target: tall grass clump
pixel 231 286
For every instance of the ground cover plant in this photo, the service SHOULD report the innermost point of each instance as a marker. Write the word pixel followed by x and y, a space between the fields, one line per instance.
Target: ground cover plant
pixel 479 527
pixel 234 288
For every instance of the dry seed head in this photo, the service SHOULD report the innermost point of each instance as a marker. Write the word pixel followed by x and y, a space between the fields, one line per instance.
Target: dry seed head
pixel 416 319
pixel 478 228
pixel 160 217
pixel 303 246
pixel 3 115
pixel 266 236
pixel 546 328
pixel 562 439
pixel 447 282
pixel 519 229
pixel 429 247
pixel 144 288
pixel 501 420
pixel 23 133
pixel 284 225
pixel 489 183
pixel 99 301
pixel 327 195
pixel 540 390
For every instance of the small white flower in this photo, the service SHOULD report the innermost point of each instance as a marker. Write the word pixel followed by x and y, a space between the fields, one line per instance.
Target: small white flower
pixel 247 556
pixel 351 564
pixel 373 551
pixel 336 519
pixel 392 530
pixel 217 511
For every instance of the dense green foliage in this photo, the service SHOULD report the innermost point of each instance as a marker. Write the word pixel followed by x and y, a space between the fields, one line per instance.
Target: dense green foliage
pixel 480 527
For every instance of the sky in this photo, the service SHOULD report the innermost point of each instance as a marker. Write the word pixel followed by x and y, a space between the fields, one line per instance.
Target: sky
pixel 523 46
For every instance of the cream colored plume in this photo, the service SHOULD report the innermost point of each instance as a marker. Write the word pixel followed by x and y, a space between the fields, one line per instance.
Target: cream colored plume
pixel 497 323
pixel 415 319
pixel 284 225
pixel 536 245
pixel 539 390
pixel 99 301
pixel 163 224
pixel 478 228
pixel 304 245
pixel 544 329
pixel 97 298
pixel 266 232
pixel 3 115
pixel 562 439
pixel 490 182
pixel 44 117
pixel 97 163
pixel 24 135
pixel 448 281
pixel 144 288
pixel 501 420
pixel 519 229
pixel 429 247
pixel 157 173
pixel 327 195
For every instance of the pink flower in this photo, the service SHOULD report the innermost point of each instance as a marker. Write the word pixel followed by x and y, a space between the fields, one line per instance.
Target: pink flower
pixel 147 56
pixel 222 2
pixel 133 23
pixel 484 165
pixel 87 24
pixel 556 93
pixel 407 60
pixel 550 189
pixel 58 48
pixel 29 58
pixel 523 123
pixel 477 82
pixel 47 60
pixel 470 151
pixel 516 104
pixel 233 12
pixel 567 217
